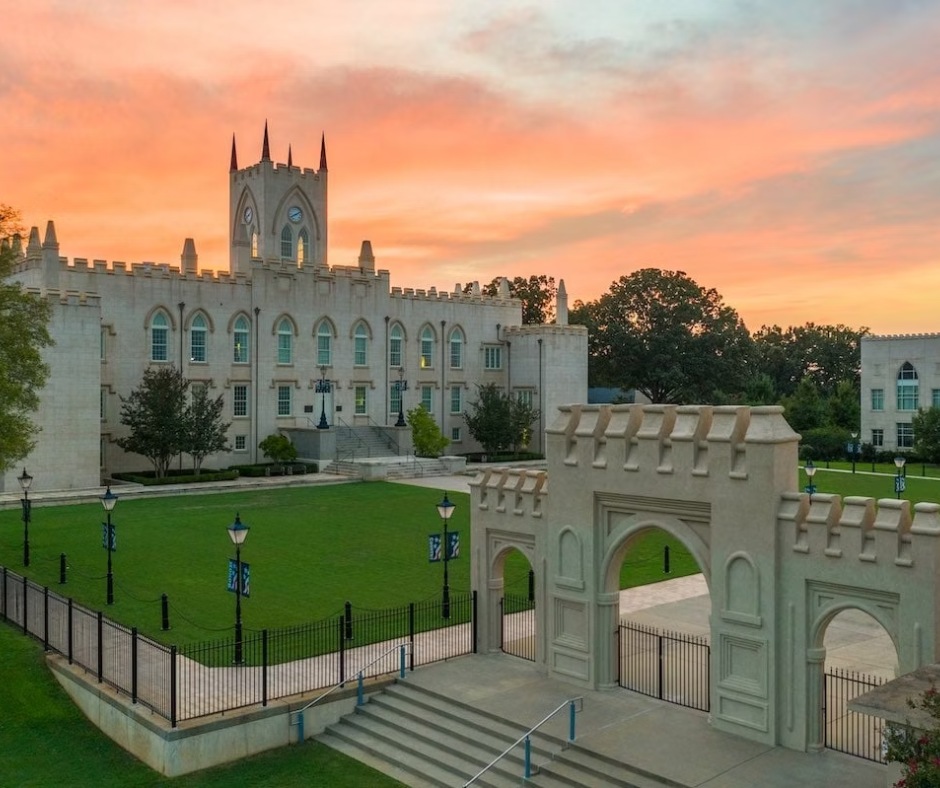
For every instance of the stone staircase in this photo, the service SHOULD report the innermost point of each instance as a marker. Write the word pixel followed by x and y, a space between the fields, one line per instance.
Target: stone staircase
pixel 359 442
pixel 426 739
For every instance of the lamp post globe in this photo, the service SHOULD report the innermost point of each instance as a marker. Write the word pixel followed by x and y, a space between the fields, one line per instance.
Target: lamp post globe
pixel 445 509
pixel 899 462
pixel 109 501
pixel 238 533
pixel 810 469
pixel 25 481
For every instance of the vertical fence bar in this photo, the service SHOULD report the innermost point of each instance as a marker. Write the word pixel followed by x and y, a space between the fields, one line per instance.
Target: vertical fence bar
pixel 347 614
pixel 70 640
pixel 173 688
pixel 660 676
pixel 100 648
pixel 264 667
pixel 3 596
pixel 45 618
pixel 359 691
pixel 473 622
pixel 401 662
pixel 571 713
pixel 411 632
pixel 25 617
pixel 528 758
pixel 133 664
pixel 342 652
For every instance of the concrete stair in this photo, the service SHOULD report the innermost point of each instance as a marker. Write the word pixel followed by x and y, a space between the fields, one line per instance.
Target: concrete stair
pixel 359 442
pixel 426 739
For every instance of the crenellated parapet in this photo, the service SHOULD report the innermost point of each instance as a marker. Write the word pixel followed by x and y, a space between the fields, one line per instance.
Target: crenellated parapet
pixel 698 440
pixel 515 491
pixel 859 529
pixel 457 296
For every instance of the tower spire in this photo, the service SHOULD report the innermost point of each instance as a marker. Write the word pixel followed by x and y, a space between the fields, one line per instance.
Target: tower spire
pixel 290 157
pixel 323 152
pixel 234 164
pixel 265 148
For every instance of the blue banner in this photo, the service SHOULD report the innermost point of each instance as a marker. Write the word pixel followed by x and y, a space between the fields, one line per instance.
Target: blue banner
pixel 246 577
pixel 434 548
pixel 453 545
pixel 104 537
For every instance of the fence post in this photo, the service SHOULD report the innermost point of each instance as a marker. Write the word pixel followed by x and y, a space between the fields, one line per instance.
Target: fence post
pixel 342 653
pixel 3 595
pixel 528 758
pixel 411 632
pixel 70 630
pixel 359 699
pixel 133 664
pixel 473 622
pixel 659 639
pixel 61 569
pixel 25 599
pixel 264 667
pixel 531 585
pixel 347 614
pixel 173 688
pixel 401 661
pixel 100 647
pixel 165 612
pixel 45 618
pixel 571 713
pixel 666 559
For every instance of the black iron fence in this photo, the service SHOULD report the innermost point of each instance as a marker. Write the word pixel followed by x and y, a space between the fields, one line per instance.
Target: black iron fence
pixel 670 666
pixel 848 731
pixel 202 678
pixel 517 626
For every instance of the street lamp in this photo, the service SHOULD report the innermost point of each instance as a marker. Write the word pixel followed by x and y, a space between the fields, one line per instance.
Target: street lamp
pixel 238 533
pixel 810 473
pixel 323 388
pixel 899 480
pixel 445 509
pixel 25 480
pixel 854 450
pixel 401 385
pixel 108 501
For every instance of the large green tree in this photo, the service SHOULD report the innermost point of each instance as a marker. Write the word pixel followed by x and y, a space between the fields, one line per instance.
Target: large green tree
pixel 24 320
pixel 205 432
pixel 537 293
pixel 666 336
pixel 499 421
pixel 926 425
pixel 155 414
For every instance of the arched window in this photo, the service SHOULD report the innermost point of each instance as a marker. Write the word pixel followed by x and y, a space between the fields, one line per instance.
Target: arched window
pixel 360 342
pixel 159 337
pixel 427 347
pixel 907 387
pixel 303 244
pixel 285 342
pixel 287 242
pixel 240 337
pixel 456 349
pixel 324 345
pixel 197 340
pixel 394 347
pixel 254 243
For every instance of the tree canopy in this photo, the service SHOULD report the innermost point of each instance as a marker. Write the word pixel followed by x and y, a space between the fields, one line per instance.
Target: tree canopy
pixel 661 333
pixel 204 431
pixel 537 293
pixel 926 426
pixel 499 421
pixel 24 321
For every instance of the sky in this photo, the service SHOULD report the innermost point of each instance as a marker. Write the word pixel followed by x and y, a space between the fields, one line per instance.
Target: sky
pixel 786 154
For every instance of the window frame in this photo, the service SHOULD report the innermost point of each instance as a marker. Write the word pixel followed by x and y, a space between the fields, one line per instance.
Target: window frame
pixel 908 388
pixel 324 344
pixel 241 341
pixel 285 404
pixel 199 340
pixel 456 348
pixel 237 401
pixel 159 337
pixel 492 357
pixel 426 343
pixel 396 340
pixel 287 243
pixel 361 401
pixel 360 346
pixel 904 435
pixel 285 342
pixel 877 399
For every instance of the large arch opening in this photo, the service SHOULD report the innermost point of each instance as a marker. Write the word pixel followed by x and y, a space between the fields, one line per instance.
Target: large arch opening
pixel 514 572
pixel 659 591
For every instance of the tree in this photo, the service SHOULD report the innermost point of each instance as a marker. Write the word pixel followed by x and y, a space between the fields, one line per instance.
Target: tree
pixel 426 436
pixel 760 390
pixel 537 293
pixel 844 406
pixel 279 448
pixel 155 414
pixel 805 410
pixel 205 432
pixel 24 321
pixel 666 336
pixel 498 421
pixel 926 426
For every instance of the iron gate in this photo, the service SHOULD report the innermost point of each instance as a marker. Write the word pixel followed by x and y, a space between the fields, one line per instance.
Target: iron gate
pixel 848 731
pixel 517 626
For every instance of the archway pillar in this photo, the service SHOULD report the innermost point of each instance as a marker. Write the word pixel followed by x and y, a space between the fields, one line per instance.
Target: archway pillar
pixel 607 639
pixel 815 689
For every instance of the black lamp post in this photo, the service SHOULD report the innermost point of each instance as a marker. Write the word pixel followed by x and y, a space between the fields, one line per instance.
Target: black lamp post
pixel 108 501
pixel 810 469
pixel 238 533
pixel 854 450
pixel 25 480
pixel 445 509
pixel 899 480
pixel 401 385
pixel 323 388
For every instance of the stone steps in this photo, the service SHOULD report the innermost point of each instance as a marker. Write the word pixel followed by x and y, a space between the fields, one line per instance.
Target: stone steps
pixel 425 739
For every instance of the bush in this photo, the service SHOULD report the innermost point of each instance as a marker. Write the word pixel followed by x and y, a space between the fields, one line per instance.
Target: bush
pixel 149 478
pixel 279 448
pixel 918 750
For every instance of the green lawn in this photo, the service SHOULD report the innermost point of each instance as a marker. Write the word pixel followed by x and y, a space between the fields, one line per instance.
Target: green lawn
pixel 310 549
pixel 840 480
pixel 46 741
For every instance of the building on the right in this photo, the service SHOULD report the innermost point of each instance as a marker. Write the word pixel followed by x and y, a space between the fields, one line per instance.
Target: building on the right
pixel 899 375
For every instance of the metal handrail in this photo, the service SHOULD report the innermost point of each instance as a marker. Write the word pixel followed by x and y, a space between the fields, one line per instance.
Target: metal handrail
pixel 299 720
pixel 525 738
pixel 379 429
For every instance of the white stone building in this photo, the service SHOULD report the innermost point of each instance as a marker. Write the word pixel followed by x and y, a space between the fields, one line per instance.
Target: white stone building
pixel 900 374
pixel 270 330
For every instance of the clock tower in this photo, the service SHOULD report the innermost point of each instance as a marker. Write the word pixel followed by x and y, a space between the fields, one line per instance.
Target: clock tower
pixel 277 212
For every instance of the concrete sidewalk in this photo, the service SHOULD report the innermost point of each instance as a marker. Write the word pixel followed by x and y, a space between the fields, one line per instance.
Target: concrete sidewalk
pixel 658 737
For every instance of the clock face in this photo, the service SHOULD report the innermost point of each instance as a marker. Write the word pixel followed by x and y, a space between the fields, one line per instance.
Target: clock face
pixel 248 214
pixel 295 214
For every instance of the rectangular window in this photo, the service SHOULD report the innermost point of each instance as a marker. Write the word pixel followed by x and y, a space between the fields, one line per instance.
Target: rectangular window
pixel 877 399
pixel 360 400
pixel 283 401
pixel 239 400
pixel 455 434
pixel 905 435
pixel 394 400
pixel 456 399
pixel 427 352
pixel 525 396
pixel 878 438
pixel 456 354
pixel 394 352
pixel 426 394
pixel 907 395
pixel 359 352
pixel 284 348
pixel 492 357
pixel 323 350
pixel 241 443
pixel 159 346
pixel 240 347
pixel 935 398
